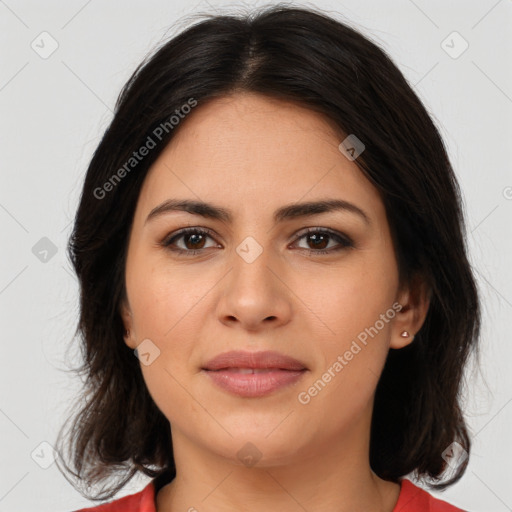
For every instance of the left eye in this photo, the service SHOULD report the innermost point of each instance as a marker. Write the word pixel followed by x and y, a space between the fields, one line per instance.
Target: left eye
pixel 319 237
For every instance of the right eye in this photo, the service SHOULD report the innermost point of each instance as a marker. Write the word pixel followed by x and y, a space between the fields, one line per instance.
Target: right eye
pixel 193 241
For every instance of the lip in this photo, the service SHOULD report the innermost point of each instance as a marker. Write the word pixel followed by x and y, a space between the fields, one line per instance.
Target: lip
pixel 253 385
pixel 273 371
pixel 260 360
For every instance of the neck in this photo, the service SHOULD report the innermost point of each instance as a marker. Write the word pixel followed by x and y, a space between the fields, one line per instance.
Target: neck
pixel 329 476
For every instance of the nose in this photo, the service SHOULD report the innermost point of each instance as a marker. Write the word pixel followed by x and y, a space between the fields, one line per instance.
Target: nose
pixel 255 295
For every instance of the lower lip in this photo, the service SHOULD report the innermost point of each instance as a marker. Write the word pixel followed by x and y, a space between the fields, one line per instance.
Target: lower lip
pixel 254 385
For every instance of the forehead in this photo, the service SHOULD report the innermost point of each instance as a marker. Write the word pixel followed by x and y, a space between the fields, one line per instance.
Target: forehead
pixel 250 148
pixel 247 120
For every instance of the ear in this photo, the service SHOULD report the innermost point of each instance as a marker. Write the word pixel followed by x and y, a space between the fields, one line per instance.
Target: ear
pixel 129 332
pixel 415 300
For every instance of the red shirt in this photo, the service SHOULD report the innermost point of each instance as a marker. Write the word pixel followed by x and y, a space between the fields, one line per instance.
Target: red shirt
pixel 411 499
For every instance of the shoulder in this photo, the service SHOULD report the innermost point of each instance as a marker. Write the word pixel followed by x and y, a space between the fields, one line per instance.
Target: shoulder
pixel 143 501
pixel 415 499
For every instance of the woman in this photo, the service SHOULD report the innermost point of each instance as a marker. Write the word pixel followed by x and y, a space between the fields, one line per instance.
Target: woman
pixel 272 226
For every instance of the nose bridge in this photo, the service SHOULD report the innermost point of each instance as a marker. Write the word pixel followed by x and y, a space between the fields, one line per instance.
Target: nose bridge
pixel 251 264
pixel 253 293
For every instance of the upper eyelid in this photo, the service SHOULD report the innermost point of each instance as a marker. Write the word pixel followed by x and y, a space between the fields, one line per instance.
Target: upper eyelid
pixel 188 230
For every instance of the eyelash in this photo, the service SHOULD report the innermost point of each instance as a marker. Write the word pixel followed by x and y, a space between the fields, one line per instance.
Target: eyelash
pixel 344 240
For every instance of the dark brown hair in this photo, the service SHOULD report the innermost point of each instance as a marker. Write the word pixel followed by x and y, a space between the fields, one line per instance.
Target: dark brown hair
pixel 299 55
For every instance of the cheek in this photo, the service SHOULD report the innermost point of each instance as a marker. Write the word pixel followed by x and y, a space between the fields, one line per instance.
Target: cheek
pixel 169 389
pixel 345 301
pixel 356 306
pixel 165 308
pixel 167 305
pixel 161 299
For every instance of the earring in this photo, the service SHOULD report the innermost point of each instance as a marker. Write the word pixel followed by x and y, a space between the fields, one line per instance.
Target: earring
pixel 405 334
pixel 127 333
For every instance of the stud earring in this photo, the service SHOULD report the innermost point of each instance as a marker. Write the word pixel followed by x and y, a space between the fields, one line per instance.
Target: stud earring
pixel 405 334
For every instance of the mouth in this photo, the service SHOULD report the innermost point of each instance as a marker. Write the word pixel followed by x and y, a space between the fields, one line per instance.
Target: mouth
pixel 253 374
pixel 251 362
pixel 246 371
pixel 253 382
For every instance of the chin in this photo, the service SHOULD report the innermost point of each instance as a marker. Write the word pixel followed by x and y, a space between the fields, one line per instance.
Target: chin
pixel 255 447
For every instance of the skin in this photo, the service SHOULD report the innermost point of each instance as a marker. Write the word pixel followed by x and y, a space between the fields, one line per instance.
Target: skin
pixel 252 154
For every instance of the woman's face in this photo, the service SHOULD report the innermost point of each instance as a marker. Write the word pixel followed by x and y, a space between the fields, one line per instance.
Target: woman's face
pixel 257 283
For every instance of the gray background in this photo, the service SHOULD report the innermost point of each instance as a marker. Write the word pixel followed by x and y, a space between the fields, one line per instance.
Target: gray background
pixel 53 113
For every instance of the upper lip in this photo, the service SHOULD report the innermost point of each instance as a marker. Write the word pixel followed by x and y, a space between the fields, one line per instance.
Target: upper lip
pixel 265 359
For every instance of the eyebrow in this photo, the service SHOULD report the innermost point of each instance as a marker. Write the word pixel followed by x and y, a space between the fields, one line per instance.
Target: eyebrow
pixel 288 212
